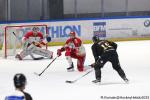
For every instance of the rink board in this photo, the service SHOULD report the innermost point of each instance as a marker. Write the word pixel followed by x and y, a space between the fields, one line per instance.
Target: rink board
pixel 111 28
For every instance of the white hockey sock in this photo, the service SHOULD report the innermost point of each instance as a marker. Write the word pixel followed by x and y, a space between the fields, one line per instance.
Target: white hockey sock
pixel 69 59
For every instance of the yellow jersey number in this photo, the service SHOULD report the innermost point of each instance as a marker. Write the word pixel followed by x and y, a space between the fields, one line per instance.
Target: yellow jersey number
pixel 105 45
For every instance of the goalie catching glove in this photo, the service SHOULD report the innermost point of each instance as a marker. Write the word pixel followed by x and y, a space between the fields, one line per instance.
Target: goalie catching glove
pixel 48 39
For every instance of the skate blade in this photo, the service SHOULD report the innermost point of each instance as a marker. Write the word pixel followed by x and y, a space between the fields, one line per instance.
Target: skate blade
pixel 70 70
pixel 98 83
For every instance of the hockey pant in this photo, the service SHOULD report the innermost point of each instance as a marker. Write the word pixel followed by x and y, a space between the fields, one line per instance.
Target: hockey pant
pixel 80 60
pixel 112 57
pixel 32 49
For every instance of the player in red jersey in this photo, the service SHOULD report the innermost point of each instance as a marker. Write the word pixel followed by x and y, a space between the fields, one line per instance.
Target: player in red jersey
pixel 73 49
pixel 32 44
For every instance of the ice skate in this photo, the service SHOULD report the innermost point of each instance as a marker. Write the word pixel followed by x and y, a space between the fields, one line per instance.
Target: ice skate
pixel 71 68
pixel 18 57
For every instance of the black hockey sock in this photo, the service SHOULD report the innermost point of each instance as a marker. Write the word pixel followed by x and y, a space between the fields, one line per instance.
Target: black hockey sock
pixel 98 74
pixel 121 73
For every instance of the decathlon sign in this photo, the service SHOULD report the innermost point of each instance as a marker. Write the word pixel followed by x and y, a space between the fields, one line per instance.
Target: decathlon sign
pixel 56 31
pixel 62 31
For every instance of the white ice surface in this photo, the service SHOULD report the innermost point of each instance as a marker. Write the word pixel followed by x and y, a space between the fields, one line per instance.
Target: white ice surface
pixel 134 58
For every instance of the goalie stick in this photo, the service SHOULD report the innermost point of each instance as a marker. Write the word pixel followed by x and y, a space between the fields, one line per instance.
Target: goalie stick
pixel 46 67
pixel 34 58
pixel 79 77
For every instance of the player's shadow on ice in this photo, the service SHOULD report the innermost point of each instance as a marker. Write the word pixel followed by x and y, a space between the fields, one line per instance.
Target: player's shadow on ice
pixel 30 59
pixel 113 83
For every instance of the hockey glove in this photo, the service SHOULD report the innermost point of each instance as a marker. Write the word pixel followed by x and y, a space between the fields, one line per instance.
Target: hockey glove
pixel 92 65
pixel 99 63
pixel 59 52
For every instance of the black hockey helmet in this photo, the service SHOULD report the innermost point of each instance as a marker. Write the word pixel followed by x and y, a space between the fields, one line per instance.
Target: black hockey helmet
pixel 19 80
pixel 95 38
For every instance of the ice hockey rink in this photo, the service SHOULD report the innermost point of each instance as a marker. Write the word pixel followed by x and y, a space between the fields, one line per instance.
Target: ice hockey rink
pixel 134 58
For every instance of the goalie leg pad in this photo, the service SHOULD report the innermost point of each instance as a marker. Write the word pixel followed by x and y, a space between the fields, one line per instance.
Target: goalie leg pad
pixel 27 51
pixel 43 52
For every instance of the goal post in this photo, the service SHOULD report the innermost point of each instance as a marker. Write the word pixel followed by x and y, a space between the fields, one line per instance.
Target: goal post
pixel 13 38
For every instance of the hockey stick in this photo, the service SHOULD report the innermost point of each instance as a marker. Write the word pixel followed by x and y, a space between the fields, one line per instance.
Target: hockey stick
pixel 82 75
pixel 79 77
pixel 46 67
pixel 15 34
pixel 34 58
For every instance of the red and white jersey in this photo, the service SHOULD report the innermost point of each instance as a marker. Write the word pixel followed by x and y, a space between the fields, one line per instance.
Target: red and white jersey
pixel 32 38
pixel 75 45
pixel 72 43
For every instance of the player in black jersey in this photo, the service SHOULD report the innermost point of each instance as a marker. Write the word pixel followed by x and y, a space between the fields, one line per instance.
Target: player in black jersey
pixel 104 51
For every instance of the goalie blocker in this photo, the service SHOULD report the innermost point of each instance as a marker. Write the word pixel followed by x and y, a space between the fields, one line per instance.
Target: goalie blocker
pixel 32 44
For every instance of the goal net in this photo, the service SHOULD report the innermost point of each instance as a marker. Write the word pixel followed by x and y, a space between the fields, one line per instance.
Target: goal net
pixel 12 43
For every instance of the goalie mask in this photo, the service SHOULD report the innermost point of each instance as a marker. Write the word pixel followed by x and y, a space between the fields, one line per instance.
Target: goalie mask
pixel 35 30
pixel 19 80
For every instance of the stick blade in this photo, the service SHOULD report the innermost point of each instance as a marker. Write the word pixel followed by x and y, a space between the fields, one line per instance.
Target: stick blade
pixel 69 81
pixel 36 74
